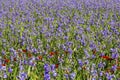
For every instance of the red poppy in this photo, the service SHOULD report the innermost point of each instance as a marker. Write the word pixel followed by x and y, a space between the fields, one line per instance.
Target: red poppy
pixel 14 59
pixel 3 64
pixel 40 57
pixel 106 57
pixel 56 65
pixel 110 59
pixel 52 53
pixel 7 60
pixel 24 50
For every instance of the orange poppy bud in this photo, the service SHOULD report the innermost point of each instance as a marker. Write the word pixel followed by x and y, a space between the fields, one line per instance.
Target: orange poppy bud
pixel 66 52
pixel 17 51
pixel 19 55
pixel 56 52
pixel 94 51
pixel 29 55
pixel 118 68
pixel 4 57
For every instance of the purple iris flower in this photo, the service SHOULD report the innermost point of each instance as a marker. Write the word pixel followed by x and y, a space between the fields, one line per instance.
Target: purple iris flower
pixel 54 73
pixel 22 76
pixel 10 70
pixel 46 73
pixel 72 76
pixel 5 75
pixel 53 67
pixel 80 63
pixel 46 76
pixel 100 65
pixel 114 68
pixel 66 76
pixel 115 55
pixel 0 34
pixel 102 54
pixel 101 73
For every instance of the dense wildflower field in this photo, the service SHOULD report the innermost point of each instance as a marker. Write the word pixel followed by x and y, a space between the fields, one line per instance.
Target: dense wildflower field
pixel 59 39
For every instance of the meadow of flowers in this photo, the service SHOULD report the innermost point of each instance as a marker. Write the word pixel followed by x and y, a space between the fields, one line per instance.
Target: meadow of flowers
pixel 59 39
